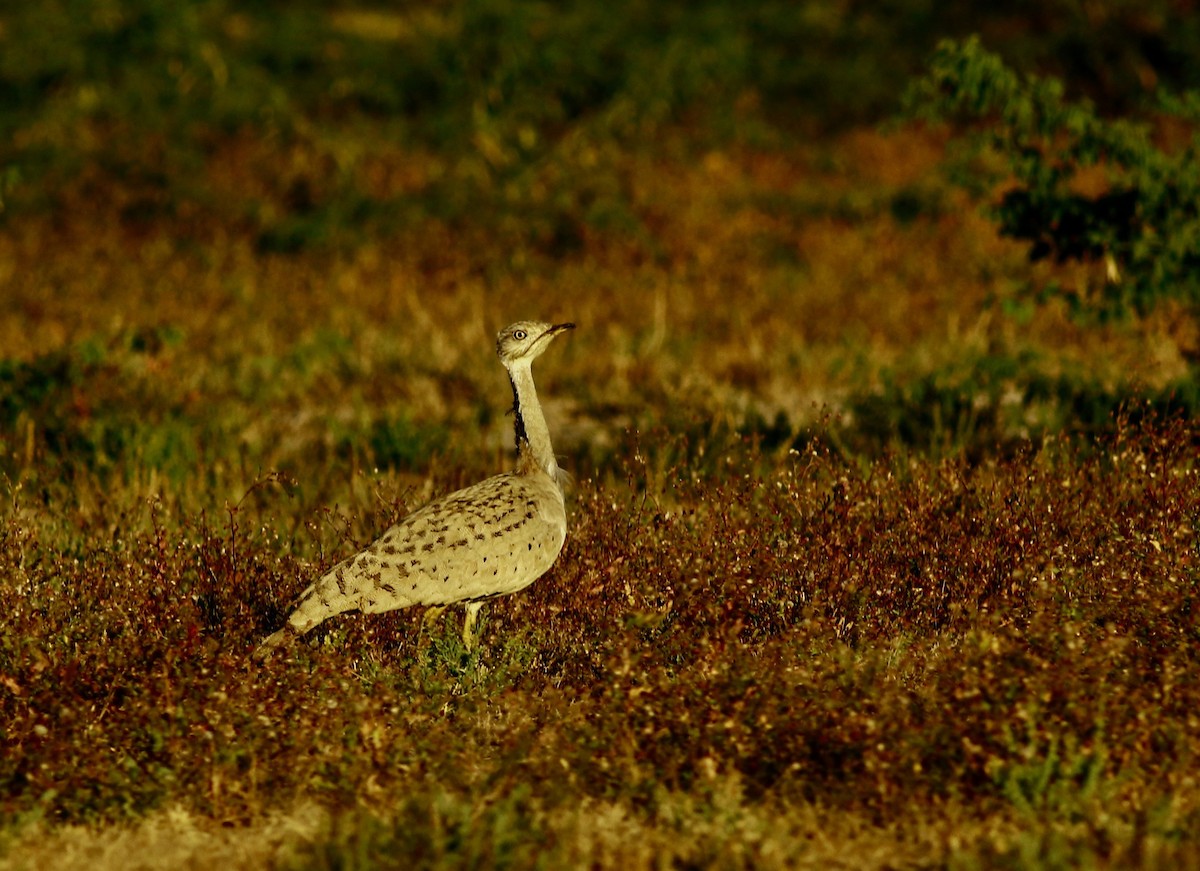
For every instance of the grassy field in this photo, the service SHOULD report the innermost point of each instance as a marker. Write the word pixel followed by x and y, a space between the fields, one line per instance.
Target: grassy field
pixel 871 563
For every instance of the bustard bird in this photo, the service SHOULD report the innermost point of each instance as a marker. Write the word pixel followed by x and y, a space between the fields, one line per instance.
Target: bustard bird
pixel 490 539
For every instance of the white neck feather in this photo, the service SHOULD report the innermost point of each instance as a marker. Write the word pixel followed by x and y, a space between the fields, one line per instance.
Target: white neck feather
pixel 529 424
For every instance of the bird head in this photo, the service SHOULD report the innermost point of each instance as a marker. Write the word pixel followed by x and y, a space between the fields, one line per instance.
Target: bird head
pixel 524 341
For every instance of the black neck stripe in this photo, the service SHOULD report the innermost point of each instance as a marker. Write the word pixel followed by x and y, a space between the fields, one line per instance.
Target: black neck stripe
pixel 518 419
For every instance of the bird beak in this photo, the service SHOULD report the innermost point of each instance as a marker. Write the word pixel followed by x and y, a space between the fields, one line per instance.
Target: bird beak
pixel 558 328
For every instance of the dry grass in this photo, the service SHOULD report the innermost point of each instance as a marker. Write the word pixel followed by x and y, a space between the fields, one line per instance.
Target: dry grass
pixel 724 832
pixel 166 839
pixel 762 646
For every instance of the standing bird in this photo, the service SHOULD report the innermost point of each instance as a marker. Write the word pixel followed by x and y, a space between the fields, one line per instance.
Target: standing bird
pixel 489 539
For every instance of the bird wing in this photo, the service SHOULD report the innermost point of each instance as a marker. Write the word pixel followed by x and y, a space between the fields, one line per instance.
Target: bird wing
pixel 492 538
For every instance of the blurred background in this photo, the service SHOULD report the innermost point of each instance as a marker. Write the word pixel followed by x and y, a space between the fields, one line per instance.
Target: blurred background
pixel 275 235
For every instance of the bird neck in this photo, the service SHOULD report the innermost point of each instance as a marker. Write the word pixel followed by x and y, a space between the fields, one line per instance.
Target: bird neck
pixel 532 436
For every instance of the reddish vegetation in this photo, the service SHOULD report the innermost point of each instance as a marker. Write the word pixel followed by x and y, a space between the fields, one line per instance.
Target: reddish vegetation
pixel 881 639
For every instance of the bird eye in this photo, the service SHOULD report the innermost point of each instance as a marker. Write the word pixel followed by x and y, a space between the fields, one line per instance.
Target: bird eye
pixel 518 334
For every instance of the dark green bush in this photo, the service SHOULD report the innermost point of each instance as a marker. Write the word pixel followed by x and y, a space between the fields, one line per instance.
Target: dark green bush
pixel 1143 228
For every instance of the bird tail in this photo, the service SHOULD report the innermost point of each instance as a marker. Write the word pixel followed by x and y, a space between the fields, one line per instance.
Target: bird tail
pixel 283 638
pixel 320 601
pixel 309 610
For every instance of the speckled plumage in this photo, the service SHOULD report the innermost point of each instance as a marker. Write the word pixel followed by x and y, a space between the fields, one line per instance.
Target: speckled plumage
pixel 490 539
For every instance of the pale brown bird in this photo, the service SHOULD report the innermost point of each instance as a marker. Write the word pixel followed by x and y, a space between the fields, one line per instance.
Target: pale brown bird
pixel 490 539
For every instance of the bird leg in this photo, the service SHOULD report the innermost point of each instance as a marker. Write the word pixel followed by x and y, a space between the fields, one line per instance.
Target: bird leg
pixel 469 621
pixel 431 615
